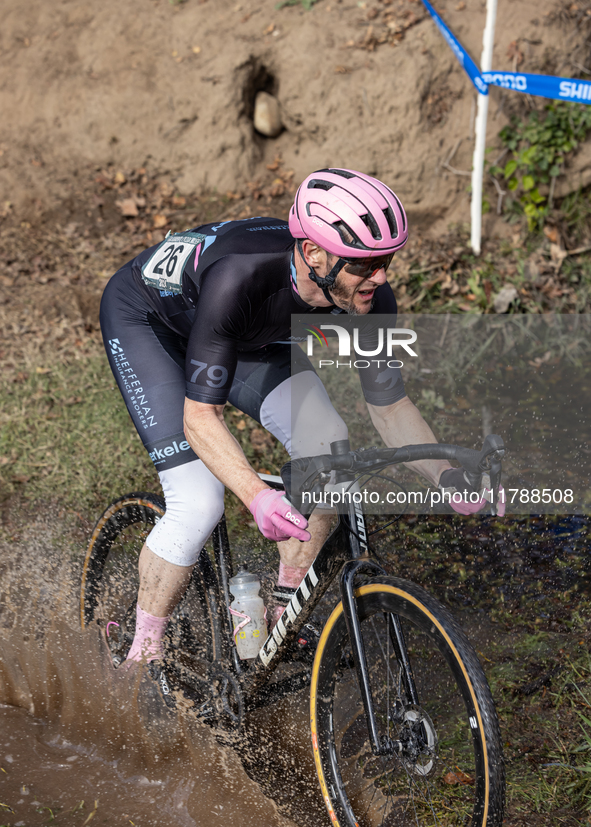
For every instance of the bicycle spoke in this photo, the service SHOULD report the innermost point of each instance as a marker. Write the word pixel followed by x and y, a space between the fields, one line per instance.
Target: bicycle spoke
pixel 426 774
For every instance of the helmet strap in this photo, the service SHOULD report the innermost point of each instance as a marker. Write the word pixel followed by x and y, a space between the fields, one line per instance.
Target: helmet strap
pixel 327 281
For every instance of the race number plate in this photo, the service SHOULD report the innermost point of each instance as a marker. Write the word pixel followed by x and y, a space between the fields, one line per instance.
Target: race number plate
pixel 164 268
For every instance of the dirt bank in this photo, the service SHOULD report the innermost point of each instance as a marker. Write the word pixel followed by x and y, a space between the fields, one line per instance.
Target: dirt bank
pixel 369 84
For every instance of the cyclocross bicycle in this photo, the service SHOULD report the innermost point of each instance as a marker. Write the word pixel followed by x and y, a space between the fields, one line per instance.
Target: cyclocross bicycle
pixel 404 729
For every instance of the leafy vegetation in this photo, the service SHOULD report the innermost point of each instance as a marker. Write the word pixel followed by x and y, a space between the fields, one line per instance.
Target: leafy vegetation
pixel 538 147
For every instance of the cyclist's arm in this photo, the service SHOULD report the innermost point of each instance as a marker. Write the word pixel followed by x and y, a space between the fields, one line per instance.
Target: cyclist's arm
pixel 400 424
pixel 209 437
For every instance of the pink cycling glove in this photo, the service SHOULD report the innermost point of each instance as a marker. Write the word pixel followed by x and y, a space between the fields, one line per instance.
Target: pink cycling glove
pixel 461 504
pixel 276 518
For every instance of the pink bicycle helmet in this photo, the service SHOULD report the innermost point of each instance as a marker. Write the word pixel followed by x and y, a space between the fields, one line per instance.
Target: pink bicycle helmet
pixel 349 214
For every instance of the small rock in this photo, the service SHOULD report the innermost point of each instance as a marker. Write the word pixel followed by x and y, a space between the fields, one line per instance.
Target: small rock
pixel 504 298
pixel 267 117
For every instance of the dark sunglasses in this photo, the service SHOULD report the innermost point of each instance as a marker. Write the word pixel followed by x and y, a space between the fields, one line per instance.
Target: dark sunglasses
pixel 366 267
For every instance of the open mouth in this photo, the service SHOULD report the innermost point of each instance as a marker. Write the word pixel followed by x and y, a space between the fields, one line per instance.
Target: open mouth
pixel 367 293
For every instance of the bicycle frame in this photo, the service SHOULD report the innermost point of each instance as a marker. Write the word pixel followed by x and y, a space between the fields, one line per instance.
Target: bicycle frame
pixel 344 550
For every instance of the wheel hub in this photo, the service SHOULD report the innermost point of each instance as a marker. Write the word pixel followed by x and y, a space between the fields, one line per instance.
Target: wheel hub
pixel 418 741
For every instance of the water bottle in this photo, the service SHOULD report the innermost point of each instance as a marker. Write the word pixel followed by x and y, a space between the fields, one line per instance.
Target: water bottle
pixel 248 614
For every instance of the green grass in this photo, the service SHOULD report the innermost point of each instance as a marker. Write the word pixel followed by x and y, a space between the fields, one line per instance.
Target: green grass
pixel 66 434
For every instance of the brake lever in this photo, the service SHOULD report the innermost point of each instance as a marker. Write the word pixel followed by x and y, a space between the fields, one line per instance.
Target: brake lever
pixel 492 447
pixel 495 480
pixel 300 477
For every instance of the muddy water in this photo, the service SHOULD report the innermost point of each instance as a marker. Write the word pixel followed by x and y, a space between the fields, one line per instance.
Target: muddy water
pixel 72 729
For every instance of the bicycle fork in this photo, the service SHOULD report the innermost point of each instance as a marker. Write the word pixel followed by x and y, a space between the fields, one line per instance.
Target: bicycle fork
pixel 384 745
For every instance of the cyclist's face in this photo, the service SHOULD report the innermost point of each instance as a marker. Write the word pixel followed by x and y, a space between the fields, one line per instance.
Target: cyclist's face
pixel 355 293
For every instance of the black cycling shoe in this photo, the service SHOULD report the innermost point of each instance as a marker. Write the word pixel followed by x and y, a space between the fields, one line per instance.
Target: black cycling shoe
pixel 157 672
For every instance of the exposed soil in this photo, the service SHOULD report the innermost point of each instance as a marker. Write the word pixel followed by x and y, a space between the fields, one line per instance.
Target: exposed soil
pixel 370 85
pixel 126 120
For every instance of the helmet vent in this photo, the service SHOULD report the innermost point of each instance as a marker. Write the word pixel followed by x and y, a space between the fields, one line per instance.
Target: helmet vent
pixel 347 235
pixel 344 173
pixel 371 224
pixel 389 216
pixel 319 184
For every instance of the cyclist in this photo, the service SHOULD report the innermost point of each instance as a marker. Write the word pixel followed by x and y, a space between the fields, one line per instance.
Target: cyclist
pixel 204 318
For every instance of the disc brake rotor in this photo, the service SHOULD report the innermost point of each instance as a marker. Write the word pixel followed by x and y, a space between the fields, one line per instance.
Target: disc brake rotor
pixel 419 741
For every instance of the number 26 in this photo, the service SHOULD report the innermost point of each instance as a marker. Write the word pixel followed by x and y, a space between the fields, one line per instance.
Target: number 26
pixel 172 254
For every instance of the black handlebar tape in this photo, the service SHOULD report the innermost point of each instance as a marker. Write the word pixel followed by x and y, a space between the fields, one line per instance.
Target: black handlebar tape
pixel 468 458
pixel 300 474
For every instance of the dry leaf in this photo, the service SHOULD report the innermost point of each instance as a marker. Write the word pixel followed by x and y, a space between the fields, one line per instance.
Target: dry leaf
pixel 551 234
pixel 260 440
pixel 42 370
pixel 541 360
pixel 120 178
pixel 128 207
pixel 196 50
pixel 277 188
pixel 241 425
pixel 459 777
pixel 22 478
pixel 160 221
pixel 515 52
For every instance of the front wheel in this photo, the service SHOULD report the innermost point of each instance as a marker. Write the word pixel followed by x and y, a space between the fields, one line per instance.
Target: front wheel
pixel 443 763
